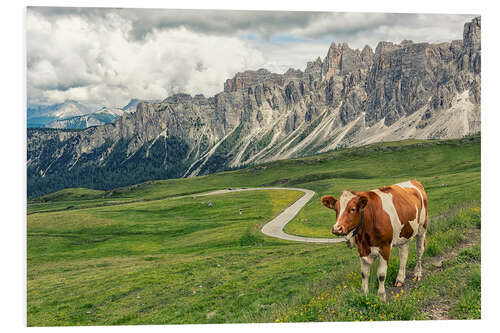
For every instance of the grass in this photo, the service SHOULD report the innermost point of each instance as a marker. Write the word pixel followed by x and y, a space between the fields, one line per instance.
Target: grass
pixel 154 254
pixel 458 285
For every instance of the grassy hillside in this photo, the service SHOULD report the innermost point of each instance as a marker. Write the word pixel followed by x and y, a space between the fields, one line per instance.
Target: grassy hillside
pixel 153 253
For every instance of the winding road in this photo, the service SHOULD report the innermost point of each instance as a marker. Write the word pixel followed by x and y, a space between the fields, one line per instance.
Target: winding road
pixel 274 228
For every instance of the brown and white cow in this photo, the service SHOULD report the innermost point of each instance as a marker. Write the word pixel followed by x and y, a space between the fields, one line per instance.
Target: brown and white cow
pixel 378 219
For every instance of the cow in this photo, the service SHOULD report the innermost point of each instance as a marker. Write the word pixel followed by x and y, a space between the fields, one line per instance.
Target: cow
pixel 379 219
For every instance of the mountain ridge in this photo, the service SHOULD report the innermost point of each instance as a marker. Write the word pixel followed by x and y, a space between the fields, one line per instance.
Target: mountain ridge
pixel 350 98
pixel 75 115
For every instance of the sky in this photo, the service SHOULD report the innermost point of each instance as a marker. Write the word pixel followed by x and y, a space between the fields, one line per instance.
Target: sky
pixel 105 57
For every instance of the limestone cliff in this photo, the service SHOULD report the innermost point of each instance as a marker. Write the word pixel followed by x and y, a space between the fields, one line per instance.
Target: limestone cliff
pixel 351 97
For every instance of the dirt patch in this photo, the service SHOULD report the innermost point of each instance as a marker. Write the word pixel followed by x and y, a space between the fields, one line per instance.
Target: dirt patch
pixel 439 309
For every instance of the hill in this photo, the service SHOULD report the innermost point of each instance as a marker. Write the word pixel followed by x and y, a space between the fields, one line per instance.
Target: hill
pixel 152 253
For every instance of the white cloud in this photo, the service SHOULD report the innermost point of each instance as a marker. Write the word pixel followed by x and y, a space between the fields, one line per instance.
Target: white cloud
pixel 280 56
pixel 98 64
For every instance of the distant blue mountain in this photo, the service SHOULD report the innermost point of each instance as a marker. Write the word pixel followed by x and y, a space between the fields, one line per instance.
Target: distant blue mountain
pixel 74 115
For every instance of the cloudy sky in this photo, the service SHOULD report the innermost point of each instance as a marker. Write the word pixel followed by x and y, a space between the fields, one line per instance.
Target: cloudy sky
pixel 105 57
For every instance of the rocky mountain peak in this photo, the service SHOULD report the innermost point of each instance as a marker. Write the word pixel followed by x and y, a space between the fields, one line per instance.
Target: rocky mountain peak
pixel 332 61
pixel 177 98
pixel 350 98
pixel 406 43
pixel 341 60
pixel 314 69
pixel 367 54
pixel 385 47
pixel 472 34
pixel 293 74
pixel 250 78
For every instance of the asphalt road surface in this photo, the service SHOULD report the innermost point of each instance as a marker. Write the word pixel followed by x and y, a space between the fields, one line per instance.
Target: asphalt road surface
pixel 274 228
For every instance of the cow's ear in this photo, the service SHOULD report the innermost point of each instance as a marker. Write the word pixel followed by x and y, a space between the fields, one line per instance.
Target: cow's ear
pixel 328 201
pixel 362 202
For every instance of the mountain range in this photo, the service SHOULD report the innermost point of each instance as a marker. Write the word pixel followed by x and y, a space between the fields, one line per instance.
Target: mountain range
pixel 349 98
pixel 74 115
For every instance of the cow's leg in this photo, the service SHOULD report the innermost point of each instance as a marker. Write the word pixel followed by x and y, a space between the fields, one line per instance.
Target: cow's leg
pixel 366 263
pixel 384 254
pixel 403 257
pixel 420 250
pixel 381 274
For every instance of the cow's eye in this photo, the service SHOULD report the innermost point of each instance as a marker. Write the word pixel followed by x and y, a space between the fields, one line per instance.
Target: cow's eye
pixel 353 210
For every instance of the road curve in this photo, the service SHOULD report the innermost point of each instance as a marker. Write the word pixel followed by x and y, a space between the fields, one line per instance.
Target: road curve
pixel 274 228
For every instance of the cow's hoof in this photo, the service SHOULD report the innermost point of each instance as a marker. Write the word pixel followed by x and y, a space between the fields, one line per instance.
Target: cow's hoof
pixel 417 278
pixel 382 297
pixel 398 284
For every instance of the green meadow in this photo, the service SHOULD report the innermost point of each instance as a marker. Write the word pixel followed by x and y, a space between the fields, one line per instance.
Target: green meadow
pixel 154 253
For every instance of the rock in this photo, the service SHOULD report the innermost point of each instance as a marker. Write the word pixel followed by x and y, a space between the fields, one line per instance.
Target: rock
pixel 437 262
pixel 211 314
pixel 262 116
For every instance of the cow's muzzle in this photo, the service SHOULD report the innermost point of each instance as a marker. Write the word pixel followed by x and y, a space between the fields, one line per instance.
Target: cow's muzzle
pixel 339 230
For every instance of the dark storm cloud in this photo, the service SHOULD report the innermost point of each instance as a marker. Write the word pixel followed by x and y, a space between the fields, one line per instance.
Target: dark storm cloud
pixel 232 22
pixel 224 22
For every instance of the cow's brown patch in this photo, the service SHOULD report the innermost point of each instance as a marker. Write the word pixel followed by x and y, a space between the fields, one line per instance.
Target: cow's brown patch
pixel 376 229
pixel 407 231
pixel 418 185
pixel 328 201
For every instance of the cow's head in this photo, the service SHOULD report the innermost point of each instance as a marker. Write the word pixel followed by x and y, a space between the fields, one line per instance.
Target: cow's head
pixel 348 208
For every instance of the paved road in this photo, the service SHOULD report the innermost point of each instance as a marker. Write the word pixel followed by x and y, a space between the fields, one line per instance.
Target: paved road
pixel 274 228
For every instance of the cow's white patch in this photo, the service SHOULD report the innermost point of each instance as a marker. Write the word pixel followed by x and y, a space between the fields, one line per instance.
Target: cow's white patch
pixel 414 223
pixel 381 274
pixel 344 199
pixel 403 257
pixel 350 238
pixel 374 251
pixel 390 209
pixel 366 263
pixel 409 184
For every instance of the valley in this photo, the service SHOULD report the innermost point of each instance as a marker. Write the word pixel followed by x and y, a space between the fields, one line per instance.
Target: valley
pixel 158 253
